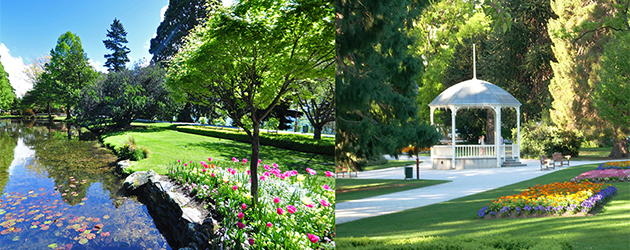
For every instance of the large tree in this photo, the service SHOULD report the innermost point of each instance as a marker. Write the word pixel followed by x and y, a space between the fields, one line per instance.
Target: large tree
pixel 251 55
pixel 581 31
pixel 180 18
pixel 7 92
pixel 116 40
pixel 316 99
pixel 612 95
pixel 42 95
pixel 69 70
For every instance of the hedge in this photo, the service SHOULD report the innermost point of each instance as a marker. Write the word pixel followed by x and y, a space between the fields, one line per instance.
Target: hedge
pixel 302 143
pixel 455 243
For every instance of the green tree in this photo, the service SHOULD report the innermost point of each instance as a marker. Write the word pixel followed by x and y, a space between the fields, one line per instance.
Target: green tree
pixel 42 95
pixel 7 92
pixel 69 70
pixel 612 95
pixel 117 38
pixel 375 88
pixel 316 99
pixel 180 18
pixel 250 56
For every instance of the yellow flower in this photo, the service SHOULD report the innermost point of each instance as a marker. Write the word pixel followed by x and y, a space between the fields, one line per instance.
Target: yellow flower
pixel 300 177
pixel 306 200
pixel 248 196
pixel 225 179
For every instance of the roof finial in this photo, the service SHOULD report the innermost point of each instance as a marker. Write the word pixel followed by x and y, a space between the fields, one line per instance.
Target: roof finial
pixel 474 63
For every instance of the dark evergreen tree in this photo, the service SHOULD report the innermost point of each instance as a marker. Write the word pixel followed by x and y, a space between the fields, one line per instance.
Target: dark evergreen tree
pixel 181 16
pixel 375 91
pixel 7 92
pixel 116 42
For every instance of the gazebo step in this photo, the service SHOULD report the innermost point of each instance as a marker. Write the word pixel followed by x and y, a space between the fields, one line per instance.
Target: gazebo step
pixel 512 163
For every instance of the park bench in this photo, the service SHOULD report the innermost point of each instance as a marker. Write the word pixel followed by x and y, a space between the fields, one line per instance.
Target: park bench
pixel 558 158
pixel 343 171
pixel 546 162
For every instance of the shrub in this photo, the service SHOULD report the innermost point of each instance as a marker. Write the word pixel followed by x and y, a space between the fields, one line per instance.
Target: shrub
pixel 448 243
pixel 544 139
pixel 131 151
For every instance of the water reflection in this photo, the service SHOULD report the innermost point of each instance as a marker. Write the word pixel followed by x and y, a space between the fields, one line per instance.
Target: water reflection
pixel 60 193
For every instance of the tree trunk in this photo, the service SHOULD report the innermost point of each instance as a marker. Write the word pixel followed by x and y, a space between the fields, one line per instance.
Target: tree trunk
pixel 253 165
pixel 490 127
pixel 318 132
pixel 620 148
pixel 49 114
pixel 68 115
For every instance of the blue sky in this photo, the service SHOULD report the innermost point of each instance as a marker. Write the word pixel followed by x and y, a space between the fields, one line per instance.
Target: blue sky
pixel 30 28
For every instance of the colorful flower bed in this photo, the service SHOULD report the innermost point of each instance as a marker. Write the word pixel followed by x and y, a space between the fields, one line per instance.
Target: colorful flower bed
pixel 294 211
pixel 551 199
pixel 604 175
pixel 614 165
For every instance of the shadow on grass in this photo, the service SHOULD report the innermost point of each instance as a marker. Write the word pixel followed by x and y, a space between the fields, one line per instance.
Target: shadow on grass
pixel 287 159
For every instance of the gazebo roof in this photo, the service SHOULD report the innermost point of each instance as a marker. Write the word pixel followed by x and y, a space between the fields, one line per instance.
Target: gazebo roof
pixel 474 93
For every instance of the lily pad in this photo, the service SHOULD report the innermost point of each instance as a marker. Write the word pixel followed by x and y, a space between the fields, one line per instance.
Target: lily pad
pixel 83 241
pixel 91 236
pixel 53 245
pixel 105 234
pixel 106 217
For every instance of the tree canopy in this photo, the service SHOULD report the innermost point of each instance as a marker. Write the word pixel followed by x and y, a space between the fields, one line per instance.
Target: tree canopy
pixel 69 70
pixel 116 40
pixel 7 92
pixel 250 56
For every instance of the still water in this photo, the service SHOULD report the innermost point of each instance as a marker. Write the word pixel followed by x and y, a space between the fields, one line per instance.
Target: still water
pixel 57 193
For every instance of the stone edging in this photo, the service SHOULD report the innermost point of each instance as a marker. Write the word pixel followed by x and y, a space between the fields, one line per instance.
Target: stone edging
pixel 182 226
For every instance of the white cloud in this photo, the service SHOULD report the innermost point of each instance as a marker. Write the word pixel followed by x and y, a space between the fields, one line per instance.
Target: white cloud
pixel 163 12
pixel 98 66
pixel 15 67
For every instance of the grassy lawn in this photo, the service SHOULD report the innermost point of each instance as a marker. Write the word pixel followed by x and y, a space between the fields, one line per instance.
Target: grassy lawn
pixel 590 153
pixel 354 189
pixel 391 164
pixel 609 229
pixel 167 146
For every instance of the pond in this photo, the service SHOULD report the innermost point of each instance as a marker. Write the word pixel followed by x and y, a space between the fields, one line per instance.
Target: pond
pixel 58 193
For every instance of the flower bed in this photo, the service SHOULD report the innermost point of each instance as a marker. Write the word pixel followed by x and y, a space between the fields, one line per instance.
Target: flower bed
pixel 604 175
pixel 551 199
pixel 294 211
pixel 614 165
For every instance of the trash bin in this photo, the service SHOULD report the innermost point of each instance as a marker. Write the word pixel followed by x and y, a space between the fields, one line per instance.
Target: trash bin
pixel 408 172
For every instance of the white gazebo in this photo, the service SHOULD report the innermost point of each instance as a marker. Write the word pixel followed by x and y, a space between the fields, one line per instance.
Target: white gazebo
pixel 476 94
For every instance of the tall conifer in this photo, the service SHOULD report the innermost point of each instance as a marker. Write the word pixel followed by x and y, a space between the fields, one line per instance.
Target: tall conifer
pixel 117 38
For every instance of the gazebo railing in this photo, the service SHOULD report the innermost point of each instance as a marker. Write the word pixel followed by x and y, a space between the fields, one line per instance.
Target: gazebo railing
pixel 473 151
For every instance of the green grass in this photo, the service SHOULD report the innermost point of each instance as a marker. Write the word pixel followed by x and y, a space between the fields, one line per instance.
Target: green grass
pixel 390 164
pixel 167 146
pixel 589 153
pixel 609 229
pixel 354 189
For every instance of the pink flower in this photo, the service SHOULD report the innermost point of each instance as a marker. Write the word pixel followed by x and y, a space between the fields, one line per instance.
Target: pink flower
pixel 309 205
pixel 203 170
pixel 259 160
pixel 276 200
pixel 244 160
pixel 311 171
pixel 244 206
pixel 291 209
pixel 251 241
pixel 213 175
pixel 240 225
pixel 248 172
pixel 313 238
pixel 203 163
pixel 327 188
pixel 179 161
pixel 262 178
pixel 234 187
pixel 233 171
pixel 266 167
pixel 280 211
pixel 185 164
pixel 324 203
pixel 275 165
pixel 190 161
pixel 209 159
pixel 269 224
pixel 240 215
pixel 329 174
pixel 234 159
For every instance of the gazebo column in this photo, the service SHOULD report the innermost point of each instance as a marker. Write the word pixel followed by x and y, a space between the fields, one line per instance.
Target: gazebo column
pixel 497 136
pixel 432 111
pixel 453 135
pixel 518 133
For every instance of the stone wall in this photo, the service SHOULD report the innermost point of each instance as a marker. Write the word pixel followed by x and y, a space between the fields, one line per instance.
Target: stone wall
pixel 183 227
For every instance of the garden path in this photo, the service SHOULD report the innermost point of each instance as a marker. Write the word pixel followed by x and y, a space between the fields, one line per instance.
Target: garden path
pixel 464 182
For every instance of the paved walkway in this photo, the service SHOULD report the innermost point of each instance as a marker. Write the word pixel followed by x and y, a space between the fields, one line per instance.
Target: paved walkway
pixel 464 183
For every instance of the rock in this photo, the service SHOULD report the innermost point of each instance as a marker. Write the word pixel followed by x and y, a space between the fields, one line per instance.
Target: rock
pixel 192 215
pixel 121 166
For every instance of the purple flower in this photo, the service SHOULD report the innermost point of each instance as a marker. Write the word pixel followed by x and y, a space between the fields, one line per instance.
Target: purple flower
pixel 311 171
pixel 240 225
